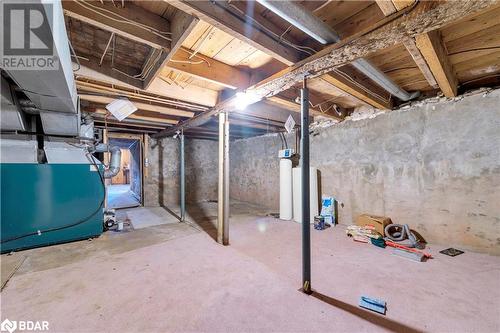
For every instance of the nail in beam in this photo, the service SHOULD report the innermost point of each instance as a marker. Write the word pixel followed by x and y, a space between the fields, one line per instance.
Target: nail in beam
pixel 223 202
pixel 304 163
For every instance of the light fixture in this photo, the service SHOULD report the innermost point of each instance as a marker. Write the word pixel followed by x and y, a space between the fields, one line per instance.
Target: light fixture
pixel 121 108
pixel 245 98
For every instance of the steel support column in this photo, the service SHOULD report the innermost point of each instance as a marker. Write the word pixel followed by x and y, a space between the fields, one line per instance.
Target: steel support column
pixel 304 164
pixel 183 179
pixel 223 202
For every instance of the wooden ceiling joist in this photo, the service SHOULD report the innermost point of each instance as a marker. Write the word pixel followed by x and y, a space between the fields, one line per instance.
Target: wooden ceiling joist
pixel 151 120
pixel 140 106
pixel 417 56
pixel 209 69
pixel 113 90
pixel 431 46
pixel 216 14
pixel 387 7
pixel 295 107
pixel 107 70
pixel 357 91
pixel 408 23
pixel 182 25
pixel 153 29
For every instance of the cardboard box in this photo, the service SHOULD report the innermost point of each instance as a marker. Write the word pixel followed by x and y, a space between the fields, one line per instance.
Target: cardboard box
pixel 378 222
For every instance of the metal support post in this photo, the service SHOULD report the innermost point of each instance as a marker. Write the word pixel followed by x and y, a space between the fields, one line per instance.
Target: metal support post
pixel 304 163
pixel 183 179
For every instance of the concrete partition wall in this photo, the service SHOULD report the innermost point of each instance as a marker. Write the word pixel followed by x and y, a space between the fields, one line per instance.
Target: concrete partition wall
pixel 435 166
pixel 161 186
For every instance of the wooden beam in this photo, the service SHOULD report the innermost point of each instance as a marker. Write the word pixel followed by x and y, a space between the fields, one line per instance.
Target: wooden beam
pixel 182 25
pixel 104 89
pixel 217 14
pixel 355 90
pixel 140 106
pixel 127 130
pixel 295 107
pixel 388 32
pixel 402 4
pixel 434 53
pixel 92 12
pixel 221 18
pixel 386 6
pixel 210 70
pixel 153 120
pixel 92 69
pixel 417 56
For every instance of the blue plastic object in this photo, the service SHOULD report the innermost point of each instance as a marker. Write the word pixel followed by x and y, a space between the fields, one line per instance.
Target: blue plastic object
pixel 372 304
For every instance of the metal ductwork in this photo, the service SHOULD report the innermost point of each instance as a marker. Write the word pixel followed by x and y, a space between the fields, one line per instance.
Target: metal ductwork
pixel 115 161
pixel 320 31
pixel 12 118
pixel 51 89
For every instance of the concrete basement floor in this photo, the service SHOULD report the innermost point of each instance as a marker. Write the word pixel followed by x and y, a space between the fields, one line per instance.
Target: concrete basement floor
pixel 174 277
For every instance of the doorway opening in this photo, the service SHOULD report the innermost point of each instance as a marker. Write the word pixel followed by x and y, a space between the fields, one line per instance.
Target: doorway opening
pixel 125 189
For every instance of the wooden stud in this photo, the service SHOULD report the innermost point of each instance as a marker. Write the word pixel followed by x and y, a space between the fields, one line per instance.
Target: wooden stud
pixel 434 53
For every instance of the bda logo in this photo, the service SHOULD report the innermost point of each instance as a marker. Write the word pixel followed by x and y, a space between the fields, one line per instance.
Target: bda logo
pixel 8 325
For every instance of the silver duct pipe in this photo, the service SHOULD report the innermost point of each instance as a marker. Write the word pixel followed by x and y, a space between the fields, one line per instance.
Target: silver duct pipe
pixel 320 31
pixel 116 156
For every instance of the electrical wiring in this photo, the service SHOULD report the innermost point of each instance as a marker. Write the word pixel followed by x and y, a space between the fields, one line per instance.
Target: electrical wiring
pixel 74 55
pixel 205 38
pixel 476 49
pixel 400 69
pixel 100 10
pixel 145 70
pixel 304 49
pixel 348 77
pixel 187 62
pixel 107 47
pixel 190 52
pixel 481 78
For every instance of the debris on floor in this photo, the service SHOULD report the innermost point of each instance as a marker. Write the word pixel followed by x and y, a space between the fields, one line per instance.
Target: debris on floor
pixel 360 232
pixel 372 229
pixel 451 252
pixel 373 304
pixel 415 256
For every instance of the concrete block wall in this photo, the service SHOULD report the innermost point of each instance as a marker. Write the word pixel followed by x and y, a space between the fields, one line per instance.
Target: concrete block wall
pixel 435 166
pixel 161 186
